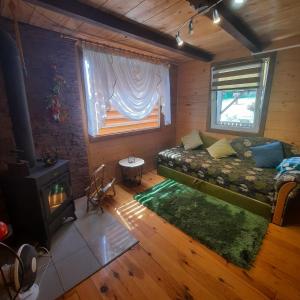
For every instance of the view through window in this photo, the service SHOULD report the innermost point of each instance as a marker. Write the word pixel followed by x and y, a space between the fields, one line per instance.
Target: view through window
pixel 238 94
pixel 237 108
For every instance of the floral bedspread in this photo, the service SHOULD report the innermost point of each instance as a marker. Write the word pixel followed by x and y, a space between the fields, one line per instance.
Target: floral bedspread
pixel 234 173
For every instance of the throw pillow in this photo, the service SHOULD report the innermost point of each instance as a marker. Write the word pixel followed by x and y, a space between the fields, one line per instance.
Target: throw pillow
pixel 268 155
pixel 221 148
pixel 289 164
pixel 208 140
pixel 192 140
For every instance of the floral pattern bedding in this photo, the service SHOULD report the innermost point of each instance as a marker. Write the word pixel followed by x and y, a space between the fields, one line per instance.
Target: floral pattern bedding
pixel 242 146
pixel 234 173
pixel 237 173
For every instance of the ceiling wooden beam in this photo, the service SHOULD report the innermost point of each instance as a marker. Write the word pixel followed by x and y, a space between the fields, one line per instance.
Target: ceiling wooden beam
pixel 233 24
pixel 86 13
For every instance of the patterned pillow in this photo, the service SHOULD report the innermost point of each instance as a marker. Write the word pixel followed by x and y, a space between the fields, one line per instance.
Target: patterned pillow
pixel 242 145
pixel 289 164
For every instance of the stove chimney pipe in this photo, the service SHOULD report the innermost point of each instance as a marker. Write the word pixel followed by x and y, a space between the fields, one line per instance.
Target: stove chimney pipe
pixel 17 98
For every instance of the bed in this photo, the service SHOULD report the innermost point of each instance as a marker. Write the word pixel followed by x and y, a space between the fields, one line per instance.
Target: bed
pixel 235 179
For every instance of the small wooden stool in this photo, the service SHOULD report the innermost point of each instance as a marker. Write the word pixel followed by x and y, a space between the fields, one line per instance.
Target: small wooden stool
pixel 97 191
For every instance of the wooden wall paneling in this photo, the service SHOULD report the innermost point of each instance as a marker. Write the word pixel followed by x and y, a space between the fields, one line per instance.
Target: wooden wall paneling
pixel 102 33
pixel 72 25
pixel 127 46
pixel 291 42
pixel 283 121
pixel 43 18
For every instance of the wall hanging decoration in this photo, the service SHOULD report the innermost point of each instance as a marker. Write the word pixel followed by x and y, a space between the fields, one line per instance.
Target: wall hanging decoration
pixel 57 111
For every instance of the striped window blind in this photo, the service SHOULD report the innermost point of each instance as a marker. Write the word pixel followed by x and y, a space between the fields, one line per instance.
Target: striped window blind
pixel 116 123
pixel 237 76
pixel 238 94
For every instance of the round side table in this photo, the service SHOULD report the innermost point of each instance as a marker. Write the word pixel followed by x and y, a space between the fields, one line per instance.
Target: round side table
pixel 132 170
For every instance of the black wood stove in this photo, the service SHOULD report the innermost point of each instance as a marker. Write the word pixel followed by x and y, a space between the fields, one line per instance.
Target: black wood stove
pixel 38 204
pixel 39 198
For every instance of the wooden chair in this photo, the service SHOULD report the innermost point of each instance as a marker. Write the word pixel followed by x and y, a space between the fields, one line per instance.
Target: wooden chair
pixel 97 190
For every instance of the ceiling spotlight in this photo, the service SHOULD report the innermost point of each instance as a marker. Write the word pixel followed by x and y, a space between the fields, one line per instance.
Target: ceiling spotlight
pixel 179 40
pixel 236 4
pixel 191 27
pixel 216 17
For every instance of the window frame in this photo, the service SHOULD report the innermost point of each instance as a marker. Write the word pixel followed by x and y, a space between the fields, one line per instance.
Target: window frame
pixel 265 104
pixel 98 137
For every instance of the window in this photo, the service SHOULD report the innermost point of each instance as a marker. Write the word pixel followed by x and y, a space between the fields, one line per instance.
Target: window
pixel 117 123
pixel 124 94
pixel 239 93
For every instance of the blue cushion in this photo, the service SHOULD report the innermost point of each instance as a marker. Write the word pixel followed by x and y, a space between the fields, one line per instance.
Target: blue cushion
pixel 268 155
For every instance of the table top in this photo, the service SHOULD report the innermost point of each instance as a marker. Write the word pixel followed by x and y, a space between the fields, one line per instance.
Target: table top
pixel 137 162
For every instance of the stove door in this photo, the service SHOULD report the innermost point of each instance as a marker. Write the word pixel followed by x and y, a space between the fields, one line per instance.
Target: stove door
pixel 57 194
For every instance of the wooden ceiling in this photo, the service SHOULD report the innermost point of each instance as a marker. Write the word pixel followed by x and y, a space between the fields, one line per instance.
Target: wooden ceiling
pixel 272 20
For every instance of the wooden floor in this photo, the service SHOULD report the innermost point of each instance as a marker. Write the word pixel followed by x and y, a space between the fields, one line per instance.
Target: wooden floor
pixel 168 264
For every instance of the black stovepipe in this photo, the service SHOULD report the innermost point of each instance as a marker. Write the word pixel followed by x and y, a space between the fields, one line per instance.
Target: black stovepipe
pixel 16 97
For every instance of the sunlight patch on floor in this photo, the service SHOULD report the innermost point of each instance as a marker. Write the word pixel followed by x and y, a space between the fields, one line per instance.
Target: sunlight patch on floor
pixel 131 212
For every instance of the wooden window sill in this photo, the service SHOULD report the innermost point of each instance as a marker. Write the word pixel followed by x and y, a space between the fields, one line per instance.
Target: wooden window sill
pixel 98 138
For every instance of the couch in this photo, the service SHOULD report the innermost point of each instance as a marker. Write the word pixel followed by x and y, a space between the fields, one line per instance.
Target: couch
pixel 255 188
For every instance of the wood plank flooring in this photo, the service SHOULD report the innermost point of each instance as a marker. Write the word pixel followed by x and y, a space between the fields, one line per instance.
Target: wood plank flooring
pixel 168 264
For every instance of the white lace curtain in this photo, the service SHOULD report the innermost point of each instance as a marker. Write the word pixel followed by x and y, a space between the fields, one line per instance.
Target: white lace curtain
pixel 133 87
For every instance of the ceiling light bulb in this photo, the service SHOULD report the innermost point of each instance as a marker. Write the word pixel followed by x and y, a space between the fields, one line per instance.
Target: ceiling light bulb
pixel 179 40
pixel 216 17
pixel 191 27
pixel 236 4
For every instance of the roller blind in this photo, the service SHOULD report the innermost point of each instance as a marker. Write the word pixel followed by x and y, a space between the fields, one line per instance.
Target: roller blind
pixel 116 123
pixel 237 76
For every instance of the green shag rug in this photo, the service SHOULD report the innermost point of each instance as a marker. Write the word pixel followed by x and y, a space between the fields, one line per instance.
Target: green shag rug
pixel 231 231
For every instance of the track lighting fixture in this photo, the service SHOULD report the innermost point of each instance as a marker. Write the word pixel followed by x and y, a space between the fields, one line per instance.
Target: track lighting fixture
pixel 179 40
pixel 191 27
pixel 203 10
pixel 216 16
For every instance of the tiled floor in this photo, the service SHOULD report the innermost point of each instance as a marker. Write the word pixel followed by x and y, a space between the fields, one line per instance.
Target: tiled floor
pixel 81 248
